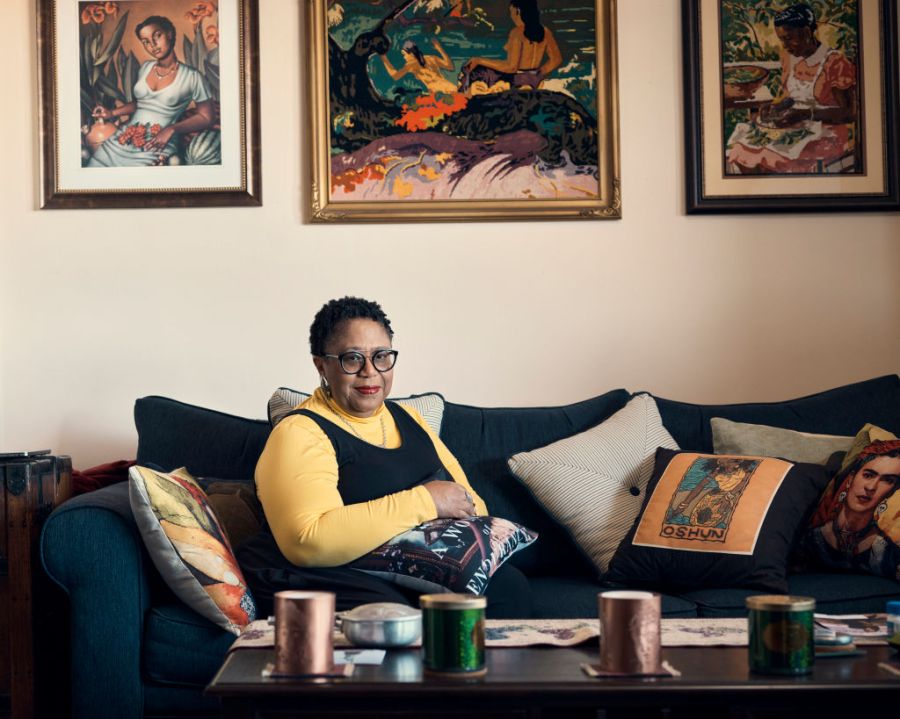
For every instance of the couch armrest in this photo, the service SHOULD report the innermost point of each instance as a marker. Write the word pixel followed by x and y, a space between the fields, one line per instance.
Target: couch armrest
pixel 91 547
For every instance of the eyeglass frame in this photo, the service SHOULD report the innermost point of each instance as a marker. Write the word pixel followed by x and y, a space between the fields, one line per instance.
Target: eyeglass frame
pixel 340 358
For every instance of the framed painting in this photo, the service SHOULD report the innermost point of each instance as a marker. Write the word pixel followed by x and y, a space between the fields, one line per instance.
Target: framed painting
pixel 458 110
pixel 149 103
pixel 791 106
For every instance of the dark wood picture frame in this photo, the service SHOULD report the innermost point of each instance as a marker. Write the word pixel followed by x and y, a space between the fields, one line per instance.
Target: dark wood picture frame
pixel 65 181
pixel 710 189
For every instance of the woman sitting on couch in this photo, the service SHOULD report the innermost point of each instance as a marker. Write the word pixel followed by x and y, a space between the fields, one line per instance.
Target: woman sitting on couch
pixel 347 471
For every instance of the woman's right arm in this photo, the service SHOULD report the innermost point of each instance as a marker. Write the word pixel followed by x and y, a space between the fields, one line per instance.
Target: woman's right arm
pixel 392 71
pixel 103 113
pixel 296 480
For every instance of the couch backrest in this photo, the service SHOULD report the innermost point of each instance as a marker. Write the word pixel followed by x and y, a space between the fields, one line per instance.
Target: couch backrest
pixel 213 444
pixel 483 439
pixel 842 411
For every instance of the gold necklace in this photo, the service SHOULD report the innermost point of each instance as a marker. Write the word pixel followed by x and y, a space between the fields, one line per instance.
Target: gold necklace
pixel 337 414
pixel 164 74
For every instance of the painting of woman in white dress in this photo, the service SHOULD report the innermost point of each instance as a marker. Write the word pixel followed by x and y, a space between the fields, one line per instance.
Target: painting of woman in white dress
pixel 164 111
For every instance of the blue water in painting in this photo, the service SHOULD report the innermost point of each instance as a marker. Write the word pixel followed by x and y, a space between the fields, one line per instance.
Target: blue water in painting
pixel 482 33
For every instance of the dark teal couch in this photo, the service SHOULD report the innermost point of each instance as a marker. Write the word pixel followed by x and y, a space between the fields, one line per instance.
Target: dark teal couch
pixel 138 651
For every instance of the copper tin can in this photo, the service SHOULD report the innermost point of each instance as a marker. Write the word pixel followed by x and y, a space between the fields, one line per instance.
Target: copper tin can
pixel 629 631
pixel 304 627
pixel 453 634
pixel 781 634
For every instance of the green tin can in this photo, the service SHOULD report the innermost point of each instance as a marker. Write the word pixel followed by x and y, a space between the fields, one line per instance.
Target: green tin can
pixel 781 634
pixel 453 634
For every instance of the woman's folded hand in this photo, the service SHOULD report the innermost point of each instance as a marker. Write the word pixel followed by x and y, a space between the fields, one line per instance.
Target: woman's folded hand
pixel 450 499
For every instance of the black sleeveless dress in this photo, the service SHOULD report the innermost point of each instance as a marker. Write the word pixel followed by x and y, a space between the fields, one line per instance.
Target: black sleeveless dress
pixel 365 472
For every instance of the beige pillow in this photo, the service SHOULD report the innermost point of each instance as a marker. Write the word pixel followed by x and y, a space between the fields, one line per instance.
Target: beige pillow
pixel 758 440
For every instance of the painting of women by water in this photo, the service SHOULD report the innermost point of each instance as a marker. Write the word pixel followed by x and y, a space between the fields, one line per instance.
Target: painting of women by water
pixel 438 109
pixel 157 101
pixel 791 105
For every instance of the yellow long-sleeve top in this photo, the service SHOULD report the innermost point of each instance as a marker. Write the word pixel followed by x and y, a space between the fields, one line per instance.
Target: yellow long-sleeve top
pixel 297 479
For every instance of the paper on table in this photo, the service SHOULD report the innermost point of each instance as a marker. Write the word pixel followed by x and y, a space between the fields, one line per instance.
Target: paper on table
pixel 864 628
pixel 358 656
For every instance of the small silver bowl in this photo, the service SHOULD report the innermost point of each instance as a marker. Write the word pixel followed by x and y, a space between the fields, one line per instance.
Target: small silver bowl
pixel 382 624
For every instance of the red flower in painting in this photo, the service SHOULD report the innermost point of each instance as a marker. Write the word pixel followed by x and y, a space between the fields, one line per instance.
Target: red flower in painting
pixel 138 135
pixel 201 10
pixel 212 35
pixel 97 12
pixel 431 109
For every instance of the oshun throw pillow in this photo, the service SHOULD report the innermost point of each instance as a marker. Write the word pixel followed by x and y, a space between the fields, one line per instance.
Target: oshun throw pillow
pixel 189 546
pixel 460 555
pixel 430 405
pixel 856 525
pixel 593 483
pixel 718 521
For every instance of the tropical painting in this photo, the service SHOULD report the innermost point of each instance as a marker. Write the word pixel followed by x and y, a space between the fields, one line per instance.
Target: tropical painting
pixel 791 87
pixel 149 83
pixel 464 100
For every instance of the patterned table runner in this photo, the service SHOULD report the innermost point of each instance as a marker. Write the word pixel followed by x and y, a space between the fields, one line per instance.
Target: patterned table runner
pixel 689 632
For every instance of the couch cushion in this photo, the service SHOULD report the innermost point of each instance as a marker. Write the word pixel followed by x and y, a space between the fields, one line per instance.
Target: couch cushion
pixel 576 598
pixel 208 443
pixel 189 547
pixel 181 647
pixel 834 594
pixel 837 411
pixel 856 525
pixel 717 520
pixel 759 440
pixel 483 439
pixel 593 483
pixel 460 555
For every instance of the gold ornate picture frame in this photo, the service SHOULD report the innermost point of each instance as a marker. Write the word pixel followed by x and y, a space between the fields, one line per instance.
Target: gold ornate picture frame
pixel 149 103
pixel 444 110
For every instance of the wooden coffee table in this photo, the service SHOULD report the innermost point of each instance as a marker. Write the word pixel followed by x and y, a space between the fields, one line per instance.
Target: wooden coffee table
pixel 540 683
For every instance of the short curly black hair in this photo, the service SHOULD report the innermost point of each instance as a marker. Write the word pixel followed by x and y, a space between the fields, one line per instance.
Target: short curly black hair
pixel 334 312
pixel 796 16
pixel 162 22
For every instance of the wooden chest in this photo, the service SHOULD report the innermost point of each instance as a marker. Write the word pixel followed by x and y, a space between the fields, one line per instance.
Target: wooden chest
pixel 31 485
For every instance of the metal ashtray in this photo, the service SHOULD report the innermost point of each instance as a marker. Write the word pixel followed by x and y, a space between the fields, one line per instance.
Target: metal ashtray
pixel 382 624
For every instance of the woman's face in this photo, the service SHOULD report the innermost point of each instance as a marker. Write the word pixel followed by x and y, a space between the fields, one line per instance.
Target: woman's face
pixel 874 481
pixel 516 15
pixel 799 41
pixel 357 394
pixel 155 41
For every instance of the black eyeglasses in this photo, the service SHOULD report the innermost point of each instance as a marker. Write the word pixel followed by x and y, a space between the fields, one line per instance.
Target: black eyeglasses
pixel 353 362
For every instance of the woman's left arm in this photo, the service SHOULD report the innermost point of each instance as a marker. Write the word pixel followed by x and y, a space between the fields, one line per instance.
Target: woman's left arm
pixel 444 60
pixel 840 74
pixel 451 464
pixel 554 56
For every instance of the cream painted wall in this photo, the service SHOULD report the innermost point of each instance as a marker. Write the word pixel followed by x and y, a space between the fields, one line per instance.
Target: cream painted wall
pixel 212 306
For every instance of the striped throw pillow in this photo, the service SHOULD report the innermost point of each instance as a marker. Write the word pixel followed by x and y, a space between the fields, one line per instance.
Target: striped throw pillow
pixel 593 483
